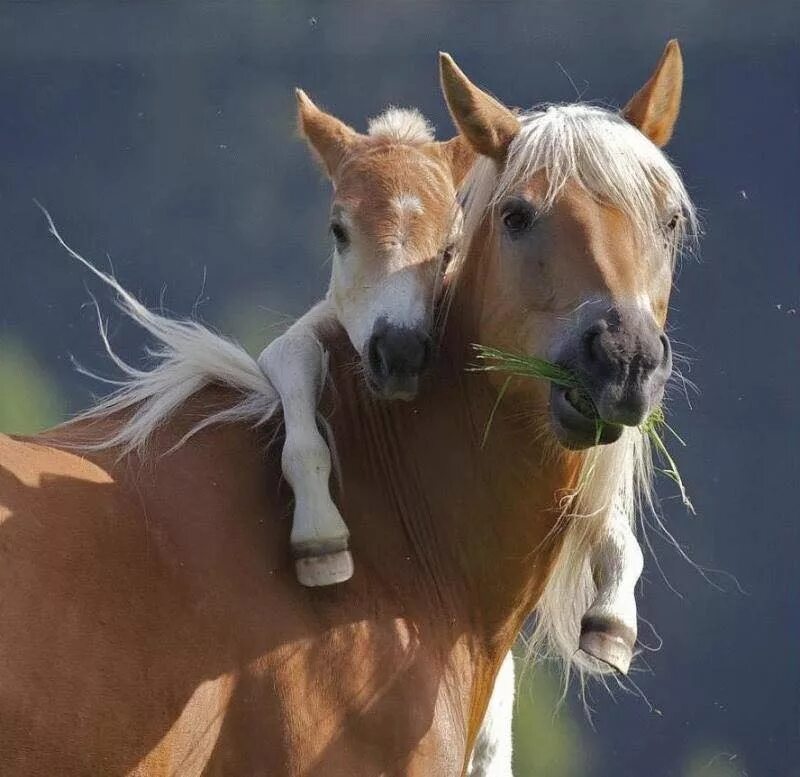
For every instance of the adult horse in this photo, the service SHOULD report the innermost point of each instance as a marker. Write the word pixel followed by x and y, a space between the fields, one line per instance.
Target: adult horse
pixel 150 623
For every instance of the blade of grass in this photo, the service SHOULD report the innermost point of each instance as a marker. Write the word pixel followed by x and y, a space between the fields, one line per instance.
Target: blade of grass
pixel 516 365
pixel 500 395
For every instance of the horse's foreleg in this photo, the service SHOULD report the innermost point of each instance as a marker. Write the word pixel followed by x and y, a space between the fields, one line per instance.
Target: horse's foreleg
pixel 491 756
pixel 608 629
pixel 295 364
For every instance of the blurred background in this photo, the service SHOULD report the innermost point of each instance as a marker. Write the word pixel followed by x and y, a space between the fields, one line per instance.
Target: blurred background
pixel 161 138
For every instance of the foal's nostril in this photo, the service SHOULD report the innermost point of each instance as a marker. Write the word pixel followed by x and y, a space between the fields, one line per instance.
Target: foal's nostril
pixel 424 353
pixel 397 352
pixel 378 361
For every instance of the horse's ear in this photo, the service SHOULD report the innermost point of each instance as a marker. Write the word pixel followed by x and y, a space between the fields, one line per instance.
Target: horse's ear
pixel 458 156
pixel 488 126
pixel 330 138
pixel 654 108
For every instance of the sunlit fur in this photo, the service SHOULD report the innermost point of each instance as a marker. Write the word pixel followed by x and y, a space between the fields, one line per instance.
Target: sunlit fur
pixel 620 166
pixel 405 125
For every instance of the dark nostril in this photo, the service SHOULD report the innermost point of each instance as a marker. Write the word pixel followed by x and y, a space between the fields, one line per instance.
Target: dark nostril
pixel 593 347
pixel 377 357
pixel 425 353
pixel 666 352
pixel 399 352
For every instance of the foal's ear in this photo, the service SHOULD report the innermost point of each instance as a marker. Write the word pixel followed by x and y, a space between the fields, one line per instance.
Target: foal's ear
pixel 330 138
pixel 458 156
pixel 654 108
pixel 488 126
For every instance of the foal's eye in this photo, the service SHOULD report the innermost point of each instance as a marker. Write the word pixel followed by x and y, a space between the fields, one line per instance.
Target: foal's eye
pixel 518 216
pixel 339 234
pixel 673 222
pixel 447 255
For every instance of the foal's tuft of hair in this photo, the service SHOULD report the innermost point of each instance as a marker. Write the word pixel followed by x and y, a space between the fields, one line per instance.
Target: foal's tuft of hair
pixel 404 125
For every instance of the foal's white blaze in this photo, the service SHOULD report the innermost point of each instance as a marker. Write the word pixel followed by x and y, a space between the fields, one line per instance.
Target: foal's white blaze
pixel 403 299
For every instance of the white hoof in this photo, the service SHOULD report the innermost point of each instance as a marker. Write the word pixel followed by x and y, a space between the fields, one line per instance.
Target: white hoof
pixel 328 569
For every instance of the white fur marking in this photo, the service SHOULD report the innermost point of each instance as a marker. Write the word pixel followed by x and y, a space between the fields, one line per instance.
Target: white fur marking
pixel 408 203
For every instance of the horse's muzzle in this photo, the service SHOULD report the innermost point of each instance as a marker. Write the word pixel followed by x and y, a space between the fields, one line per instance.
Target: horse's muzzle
pixel 623 360
pixel 395 360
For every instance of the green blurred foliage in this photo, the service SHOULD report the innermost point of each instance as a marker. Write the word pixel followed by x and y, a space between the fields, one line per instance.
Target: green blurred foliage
pixel 547 739
pixel 714 762
pixel 252 325
pixel 29 398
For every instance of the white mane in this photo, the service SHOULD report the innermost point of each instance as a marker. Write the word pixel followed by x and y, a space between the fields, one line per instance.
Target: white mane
pixel 406 125
pixel 188 358
pixel 618 165
pixel 600 150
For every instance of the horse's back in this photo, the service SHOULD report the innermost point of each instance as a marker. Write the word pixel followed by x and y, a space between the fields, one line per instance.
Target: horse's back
pixel 150 624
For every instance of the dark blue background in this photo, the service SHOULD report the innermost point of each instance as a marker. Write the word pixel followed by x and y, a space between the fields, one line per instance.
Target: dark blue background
pixel 162 134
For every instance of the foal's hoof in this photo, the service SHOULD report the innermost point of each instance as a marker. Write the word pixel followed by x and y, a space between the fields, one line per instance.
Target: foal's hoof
pixel 609 641
pixel 324 569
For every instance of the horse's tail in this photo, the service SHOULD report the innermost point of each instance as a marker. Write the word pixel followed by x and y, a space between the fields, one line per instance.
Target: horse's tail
pixel 188 356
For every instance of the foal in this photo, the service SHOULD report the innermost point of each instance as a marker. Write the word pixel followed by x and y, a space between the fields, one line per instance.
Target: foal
pixel 394 218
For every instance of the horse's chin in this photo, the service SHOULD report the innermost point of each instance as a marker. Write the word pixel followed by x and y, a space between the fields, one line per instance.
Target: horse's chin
pixel 574 427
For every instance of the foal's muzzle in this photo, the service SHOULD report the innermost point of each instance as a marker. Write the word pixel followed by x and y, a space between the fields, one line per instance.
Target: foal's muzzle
pixel 623 361
pixel 396 358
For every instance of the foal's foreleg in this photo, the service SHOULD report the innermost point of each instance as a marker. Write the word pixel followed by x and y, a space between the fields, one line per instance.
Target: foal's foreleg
pixel 295 364
pixel 608 629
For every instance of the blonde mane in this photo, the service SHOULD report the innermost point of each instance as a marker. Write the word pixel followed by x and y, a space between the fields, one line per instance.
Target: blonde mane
pixel 403 125
pixel 616 164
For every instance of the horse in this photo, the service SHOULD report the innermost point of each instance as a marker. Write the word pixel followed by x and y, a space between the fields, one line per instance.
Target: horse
pixel 394 221
pixel 153 603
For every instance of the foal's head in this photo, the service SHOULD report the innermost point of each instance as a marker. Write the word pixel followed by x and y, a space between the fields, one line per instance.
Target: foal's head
pixel 394 219
pixel 578 216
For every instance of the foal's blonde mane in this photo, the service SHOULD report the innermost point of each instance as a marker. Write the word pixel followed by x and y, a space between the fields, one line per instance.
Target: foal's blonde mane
pixel 617 164
pixel 403 125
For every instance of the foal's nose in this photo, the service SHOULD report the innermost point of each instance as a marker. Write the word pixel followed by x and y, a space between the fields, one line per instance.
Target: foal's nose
pixel 625 360
pixel 397 357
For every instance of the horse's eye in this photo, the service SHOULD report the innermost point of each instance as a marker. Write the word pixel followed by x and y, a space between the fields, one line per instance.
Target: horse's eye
pixel 518 216
pixel 339 234
pixel 673 222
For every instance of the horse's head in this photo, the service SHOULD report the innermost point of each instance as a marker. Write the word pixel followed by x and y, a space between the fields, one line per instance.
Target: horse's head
pixel 578 217
pixel 394 219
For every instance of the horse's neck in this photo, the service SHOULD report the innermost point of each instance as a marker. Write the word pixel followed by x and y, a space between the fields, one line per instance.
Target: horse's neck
pixel 476 522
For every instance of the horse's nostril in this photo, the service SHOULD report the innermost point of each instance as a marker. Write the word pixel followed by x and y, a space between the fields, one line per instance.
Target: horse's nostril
pixel 595 347
pixel 666 351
